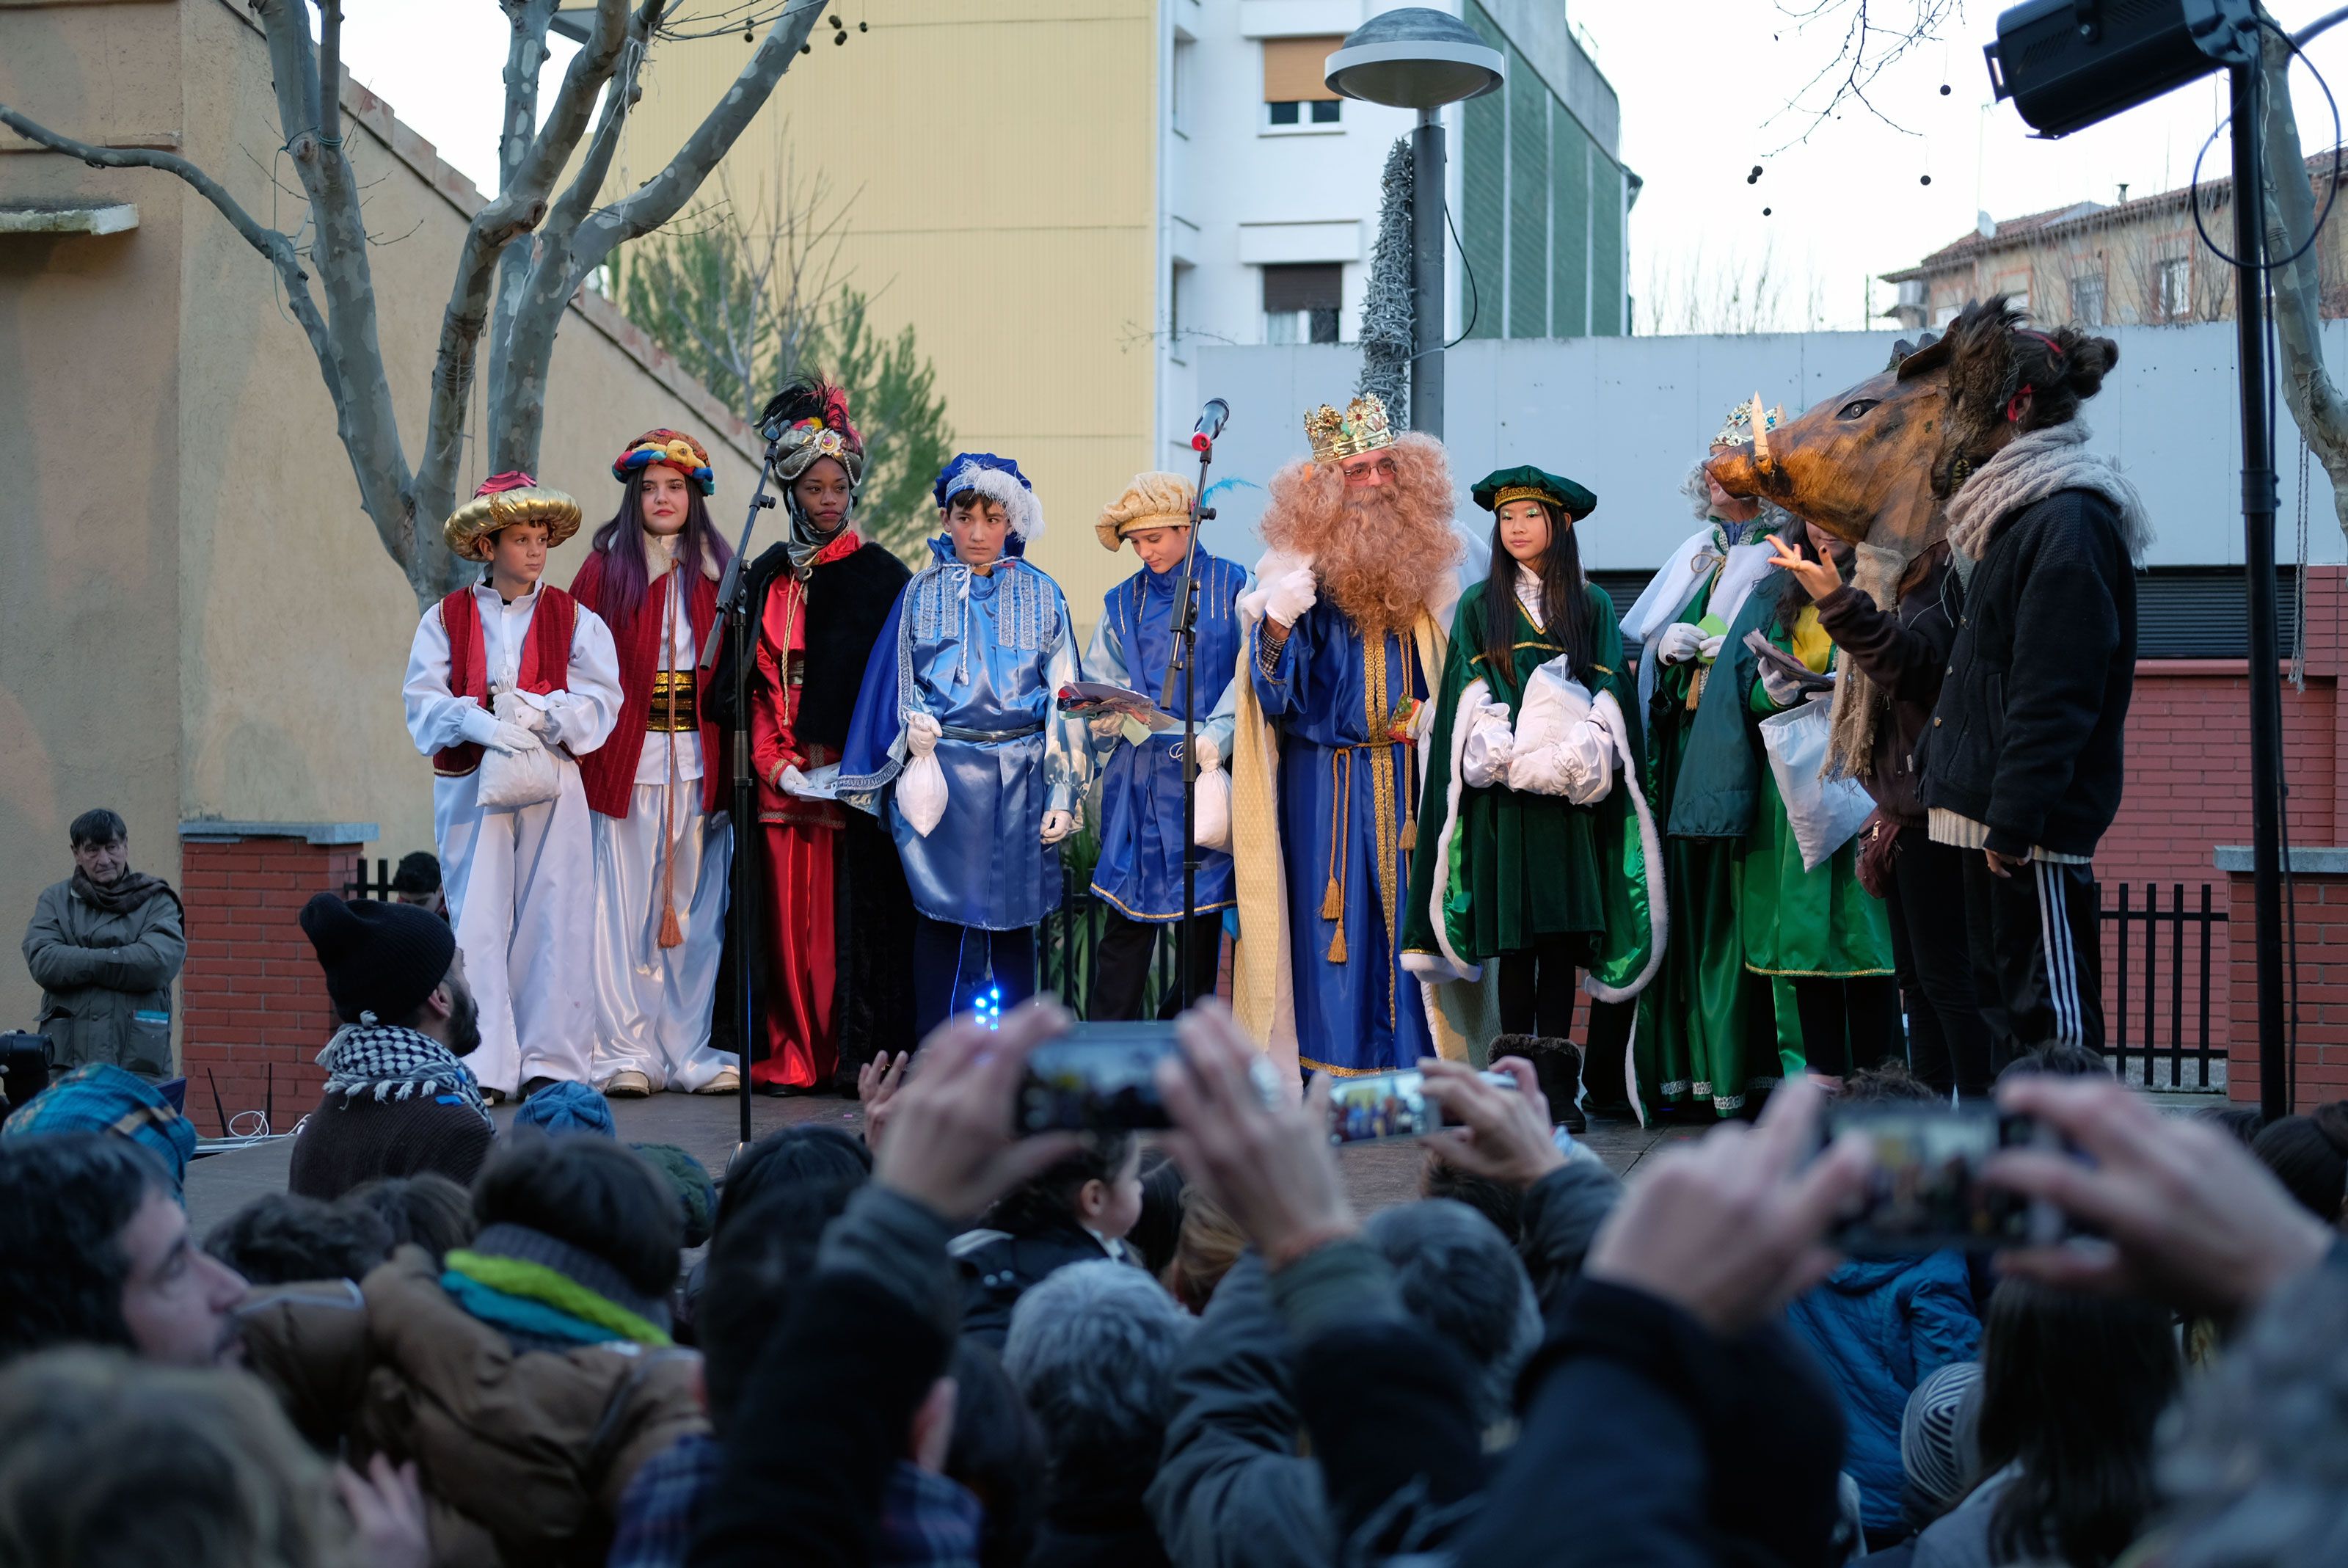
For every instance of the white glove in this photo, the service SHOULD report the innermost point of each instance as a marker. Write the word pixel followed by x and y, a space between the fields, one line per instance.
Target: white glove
pixel 1709 649
pixel 1290 596
pixel 1058 825
pixel 477 724
pixel 1679 644
pixel 1209 755
pixel 922 734
pixel 1780 688
pixel 789 780
pixel 529 716
pixel 1106 727
pixel 513 740
pixel 1484 760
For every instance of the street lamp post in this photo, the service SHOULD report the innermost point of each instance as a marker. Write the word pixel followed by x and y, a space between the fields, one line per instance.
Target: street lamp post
pixel 1419 59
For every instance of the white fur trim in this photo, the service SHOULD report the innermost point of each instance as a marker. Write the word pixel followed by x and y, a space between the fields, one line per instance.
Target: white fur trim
pixel 1018 502
pixel 1451 966
pixel 1650 848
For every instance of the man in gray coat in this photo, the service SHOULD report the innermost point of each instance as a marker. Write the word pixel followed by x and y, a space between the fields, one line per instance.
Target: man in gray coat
pixel 105 946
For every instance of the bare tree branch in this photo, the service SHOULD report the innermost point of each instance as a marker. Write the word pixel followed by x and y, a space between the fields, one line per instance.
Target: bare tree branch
pixel 558 272
pixel 2307 388
pixel 528 164
pixel 1870 46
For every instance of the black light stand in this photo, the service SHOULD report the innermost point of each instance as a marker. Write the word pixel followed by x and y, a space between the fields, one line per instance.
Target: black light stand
pixel 734 624
pixel 1184 658
pixel 2258 503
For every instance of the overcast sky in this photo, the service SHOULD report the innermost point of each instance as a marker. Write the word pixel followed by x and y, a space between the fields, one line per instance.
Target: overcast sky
pixel 1703 84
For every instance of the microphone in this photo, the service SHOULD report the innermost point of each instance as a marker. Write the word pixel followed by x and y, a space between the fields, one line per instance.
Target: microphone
pixel 1211 424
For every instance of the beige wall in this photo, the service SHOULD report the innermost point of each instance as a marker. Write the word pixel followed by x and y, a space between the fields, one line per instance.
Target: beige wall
pixel 201 622
pixel 1003 159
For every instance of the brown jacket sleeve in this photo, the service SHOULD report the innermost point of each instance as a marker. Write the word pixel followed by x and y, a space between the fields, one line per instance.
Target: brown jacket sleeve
pixel 309 1344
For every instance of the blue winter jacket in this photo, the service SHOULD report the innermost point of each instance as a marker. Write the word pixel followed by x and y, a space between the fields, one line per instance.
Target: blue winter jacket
pixel 1882 1326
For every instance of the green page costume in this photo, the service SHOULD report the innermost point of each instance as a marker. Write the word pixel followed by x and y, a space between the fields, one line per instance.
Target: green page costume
pixel 1799 925
pixel 1514 867
pixel 1700 1020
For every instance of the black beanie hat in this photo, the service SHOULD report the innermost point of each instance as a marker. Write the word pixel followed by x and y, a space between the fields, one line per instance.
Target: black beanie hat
pixel 379 959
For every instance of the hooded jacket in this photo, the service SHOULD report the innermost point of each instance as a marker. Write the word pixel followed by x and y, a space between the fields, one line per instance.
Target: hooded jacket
pixel 523 1454
pixel 1882 1326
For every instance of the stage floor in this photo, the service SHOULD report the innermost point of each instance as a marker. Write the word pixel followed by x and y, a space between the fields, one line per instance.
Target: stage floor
pixel 1377 1174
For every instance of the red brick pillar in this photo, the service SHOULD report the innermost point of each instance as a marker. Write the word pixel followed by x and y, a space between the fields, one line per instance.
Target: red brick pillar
pixel 2319 903
pixel 254 1007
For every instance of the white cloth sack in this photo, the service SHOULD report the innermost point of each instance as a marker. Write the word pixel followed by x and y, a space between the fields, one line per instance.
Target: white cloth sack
pixel 512 779
pixel 922 793
pixel 1212 824
pixel 1826 813
pixel 1562 748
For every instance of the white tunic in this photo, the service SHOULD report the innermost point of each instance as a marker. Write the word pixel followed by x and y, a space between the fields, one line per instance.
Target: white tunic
pixel 520 883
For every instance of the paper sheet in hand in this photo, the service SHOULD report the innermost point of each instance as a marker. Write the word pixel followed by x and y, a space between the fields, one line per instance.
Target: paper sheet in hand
pixel 1093 698
pixel 1786 665
pixel 817 784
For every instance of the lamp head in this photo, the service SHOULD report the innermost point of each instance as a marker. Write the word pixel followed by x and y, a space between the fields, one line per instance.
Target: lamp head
pixel 1415 58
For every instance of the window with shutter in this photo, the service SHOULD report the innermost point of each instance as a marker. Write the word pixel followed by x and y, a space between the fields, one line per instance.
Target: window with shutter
pixel 1293 91
pixel 1302 302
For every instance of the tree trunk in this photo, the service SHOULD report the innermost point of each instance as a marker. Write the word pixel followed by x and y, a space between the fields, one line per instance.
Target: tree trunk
pixel 2315 403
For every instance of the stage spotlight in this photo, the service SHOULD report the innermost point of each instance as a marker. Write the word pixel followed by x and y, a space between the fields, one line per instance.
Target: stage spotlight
pixel 2068 64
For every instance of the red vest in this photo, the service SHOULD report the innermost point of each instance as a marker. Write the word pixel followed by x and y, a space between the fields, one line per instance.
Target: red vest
pixel 545 660
pixel 609 772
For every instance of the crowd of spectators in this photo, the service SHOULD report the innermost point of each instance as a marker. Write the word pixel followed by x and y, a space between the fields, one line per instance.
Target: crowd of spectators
pixel 941 1344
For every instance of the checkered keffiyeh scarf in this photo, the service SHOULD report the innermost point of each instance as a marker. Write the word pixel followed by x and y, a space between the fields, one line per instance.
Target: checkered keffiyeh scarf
pixel 394 1063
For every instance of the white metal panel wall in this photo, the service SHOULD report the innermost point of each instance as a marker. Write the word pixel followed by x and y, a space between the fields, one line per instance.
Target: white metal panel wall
pixel 1626 415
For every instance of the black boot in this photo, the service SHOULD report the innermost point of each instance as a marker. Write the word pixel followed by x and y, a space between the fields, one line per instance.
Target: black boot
pixel 1557 1064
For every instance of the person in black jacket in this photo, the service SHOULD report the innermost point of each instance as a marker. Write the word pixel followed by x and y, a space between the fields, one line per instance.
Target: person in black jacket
pixel 1904 651
pixel 1078 1211
pixel 2023 761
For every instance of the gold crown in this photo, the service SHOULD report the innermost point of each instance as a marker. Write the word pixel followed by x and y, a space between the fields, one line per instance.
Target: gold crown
pixel 1362 428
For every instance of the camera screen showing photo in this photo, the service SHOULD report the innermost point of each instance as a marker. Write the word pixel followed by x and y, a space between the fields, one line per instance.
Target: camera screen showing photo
pixel 1097 1076
pixel 1926 1192
pixel 1383 1105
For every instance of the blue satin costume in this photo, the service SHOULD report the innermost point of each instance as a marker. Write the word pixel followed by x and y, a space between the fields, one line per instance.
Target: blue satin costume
pixel 1361 1013
pixel 986 656
pixel 1140 868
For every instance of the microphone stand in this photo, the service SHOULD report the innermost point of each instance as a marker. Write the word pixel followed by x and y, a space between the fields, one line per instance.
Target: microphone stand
pixel 1183 657
pixel 734 624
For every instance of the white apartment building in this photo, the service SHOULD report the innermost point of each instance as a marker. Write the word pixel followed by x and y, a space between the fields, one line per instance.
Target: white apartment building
pixel 1269 188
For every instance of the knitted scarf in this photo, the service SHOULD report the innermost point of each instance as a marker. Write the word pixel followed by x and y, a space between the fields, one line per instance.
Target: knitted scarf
pixel 124 893
pixel 2029 469
pixel 394 1063
pixel 545 1291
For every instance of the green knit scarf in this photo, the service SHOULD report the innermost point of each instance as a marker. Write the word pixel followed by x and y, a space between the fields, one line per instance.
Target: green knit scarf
pixel 536 1282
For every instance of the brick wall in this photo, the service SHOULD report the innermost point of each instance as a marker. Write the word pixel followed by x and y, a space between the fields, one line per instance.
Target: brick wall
pixel 2319 905
pixel 2187 793
pixel 253 1006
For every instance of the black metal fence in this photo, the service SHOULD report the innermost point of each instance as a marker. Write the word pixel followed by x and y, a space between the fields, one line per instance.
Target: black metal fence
pixel 1069 941
pixel 377 886
pixel 2160 986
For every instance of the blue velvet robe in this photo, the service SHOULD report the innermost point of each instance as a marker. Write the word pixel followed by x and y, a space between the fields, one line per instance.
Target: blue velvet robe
pixel 1140 868
pixel 986 656
pixel 1362 1012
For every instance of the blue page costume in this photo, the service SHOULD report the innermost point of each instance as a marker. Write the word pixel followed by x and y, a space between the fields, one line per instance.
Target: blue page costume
pixel 982 655
pixel 1139 873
